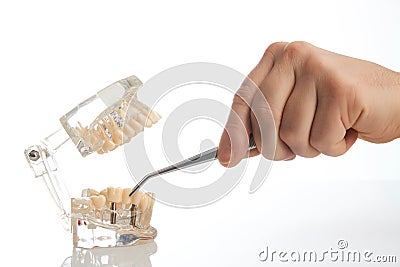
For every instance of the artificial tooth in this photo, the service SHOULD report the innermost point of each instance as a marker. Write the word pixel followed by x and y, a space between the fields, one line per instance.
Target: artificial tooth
pixel 136 126
pixel 132 112
pixel 146 208
pixel 103 192
pixel 151 116
pixel 143 107
pixel 114 194
pixel 154 116
pixel 128 130
pixel 117 136
pixel 89 192
pixel 140 118
pixel 121 113
pixel 102 132
pixel 126 199
pixel 95 140
pixel 98 201
pixel 107 122
pixel 144 202
pixel 135 199
pixel 149 211
pixel 109 146
pixel 143 120
pixel 127 138
pixel 149 123
pixel 114 129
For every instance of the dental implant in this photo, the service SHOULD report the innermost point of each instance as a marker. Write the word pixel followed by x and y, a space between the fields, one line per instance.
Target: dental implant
pixel 114 195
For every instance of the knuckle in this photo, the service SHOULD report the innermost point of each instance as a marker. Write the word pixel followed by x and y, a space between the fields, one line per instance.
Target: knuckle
pixel 273 49
pixel 235 125
pixel 239 100
pixel 245 93
pixel 296 49
pixel 316 64
pixel 336 84
pixel 260 104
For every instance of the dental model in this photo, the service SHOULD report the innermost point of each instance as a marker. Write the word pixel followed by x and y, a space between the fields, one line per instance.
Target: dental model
pixel 101 123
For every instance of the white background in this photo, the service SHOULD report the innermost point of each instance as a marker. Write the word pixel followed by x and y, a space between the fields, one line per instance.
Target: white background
pixel 55 54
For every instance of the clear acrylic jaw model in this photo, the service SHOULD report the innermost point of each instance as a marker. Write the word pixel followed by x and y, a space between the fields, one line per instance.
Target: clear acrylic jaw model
pixel 100 124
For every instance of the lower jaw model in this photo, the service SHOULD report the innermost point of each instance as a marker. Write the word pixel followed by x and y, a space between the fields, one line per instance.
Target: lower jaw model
pixel 111 218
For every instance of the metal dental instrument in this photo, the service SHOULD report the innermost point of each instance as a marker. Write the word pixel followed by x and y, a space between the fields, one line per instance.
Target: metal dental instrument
pixel 203 157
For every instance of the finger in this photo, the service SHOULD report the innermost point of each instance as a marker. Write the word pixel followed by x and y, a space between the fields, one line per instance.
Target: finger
pixel 328 133
pixel 297 118
pixel 276 87
pixel 234 140
pixel 263 126
pixel 254 152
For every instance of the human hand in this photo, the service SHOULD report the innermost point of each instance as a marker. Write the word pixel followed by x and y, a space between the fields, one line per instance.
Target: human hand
pixel 321 102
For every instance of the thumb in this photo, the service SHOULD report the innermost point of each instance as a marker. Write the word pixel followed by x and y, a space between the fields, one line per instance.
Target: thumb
pixel 234 140
pixel 235 137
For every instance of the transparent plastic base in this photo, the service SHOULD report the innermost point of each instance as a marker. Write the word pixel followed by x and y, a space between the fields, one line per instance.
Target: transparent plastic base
pixel 137 255
pixel 89 234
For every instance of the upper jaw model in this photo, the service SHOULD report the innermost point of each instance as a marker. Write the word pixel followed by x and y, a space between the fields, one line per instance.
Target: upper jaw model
pixel 114 126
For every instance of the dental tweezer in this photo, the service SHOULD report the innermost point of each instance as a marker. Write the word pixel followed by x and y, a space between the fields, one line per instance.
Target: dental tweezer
pixel 203 157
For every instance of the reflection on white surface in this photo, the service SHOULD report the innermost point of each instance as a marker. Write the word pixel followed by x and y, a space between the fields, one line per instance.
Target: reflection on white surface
pixel 138 255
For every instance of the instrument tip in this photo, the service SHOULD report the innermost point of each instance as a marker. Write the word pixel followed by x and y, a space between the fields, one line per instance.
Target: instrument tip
pixel 134 190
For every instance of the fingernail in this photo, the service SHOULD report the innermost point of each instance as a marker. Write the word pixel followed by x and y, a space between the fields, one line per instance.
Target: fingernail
pixel 224 157
pixel 224 162
pixel 290 158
